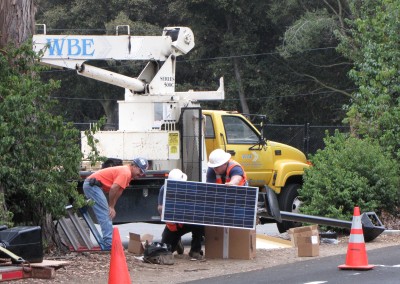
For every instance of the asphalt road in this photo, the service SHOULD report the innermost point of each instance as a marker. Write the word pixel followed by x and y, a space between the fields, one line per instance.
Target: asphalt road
pixel 322 270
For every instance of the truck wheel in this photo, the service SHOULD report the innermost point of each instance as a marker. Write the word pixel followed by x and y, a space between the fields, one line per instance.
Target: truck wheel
pixel 289 201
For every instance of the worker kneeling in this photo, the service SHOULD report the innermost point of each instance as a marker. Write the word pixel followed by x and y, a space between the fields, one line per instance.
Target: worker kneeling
pixel 174 231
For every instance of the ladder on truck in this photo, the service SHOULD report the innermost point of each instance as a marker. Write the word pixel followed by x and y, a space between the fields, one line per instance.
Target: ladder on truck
pixel 76 233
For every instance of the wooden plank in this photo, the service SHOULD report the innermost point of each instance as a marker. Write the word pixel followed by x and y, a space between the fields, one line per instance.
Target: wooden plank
pixel 43 272
pixel 18 272
pixel 50 263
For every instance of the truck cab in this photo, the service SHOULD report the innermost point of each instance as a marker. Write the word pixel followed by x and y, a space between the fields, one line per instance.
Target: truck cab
pixel 261 158
pixel 233 133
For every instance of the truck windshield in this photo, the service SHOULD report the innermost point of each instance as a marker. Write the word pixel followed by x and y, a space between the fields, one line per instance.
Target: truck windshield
pixel 238 131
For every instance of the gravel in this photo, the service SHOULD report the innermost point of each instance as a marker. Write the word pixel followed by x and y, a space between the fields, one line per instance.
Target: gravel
pixel 93 267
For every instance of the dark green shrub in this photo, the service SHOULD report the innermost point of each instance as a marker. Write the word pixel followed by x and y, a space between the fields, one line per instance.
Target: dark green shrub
pixel 350 172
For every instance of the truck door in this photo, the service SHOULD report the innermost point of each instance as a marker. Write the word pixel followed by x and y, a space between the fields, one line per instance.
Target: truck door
pixel 241 139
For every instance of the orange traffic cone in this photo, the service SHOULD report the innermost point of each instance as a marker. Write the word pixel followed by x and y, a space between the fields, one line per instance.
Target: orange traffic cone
pixel 119 273
pixel 356 257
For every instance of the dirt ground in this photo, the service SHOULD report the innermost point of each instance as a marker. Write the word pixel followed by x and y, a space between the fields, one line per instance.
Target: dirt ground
pixel 93 267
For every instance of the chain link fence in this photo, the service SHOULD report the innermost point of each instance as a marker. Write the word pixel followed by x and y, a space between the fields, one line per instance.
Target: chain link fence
pixel 307 138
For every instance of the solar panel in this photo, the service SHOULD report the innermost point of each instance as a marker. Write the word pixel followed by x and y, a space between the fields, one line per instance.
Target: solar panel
pixel 210 204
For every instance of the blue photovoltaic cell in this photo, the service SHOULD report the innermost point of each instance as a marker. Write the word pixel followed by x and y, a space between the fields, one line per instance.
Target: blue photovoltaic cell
pixel 210 204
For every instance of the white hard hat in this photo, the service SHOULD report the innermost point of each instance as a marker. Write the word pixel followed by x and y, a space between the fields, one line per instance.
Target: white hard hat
pixel 218 157
pixel 177 174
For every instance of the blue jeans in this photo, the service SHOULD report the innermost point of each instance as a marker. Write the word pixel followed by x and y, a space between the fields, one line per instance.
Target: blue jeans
pixel 101 210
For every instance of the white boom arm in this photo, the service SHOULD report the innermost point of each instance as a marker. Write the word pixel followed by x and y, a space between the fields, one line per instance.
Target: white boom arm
pixel 71 51
pixel 110 77
pixel 66 50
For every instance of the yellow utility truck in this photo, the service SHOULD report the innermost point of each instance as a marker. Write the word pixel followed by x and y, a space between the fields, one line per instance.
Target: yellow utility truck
pixel 169 128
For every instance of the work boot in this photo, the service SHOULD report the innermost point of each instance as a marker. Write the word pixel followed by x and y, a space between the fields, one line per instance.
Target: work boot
pixel 179 247
pixel 198 255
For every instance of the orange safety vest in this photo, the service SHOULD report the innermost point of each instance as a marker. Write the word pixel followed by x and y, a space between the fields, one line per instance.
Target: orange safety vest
pixel 173 227
pixel 231 165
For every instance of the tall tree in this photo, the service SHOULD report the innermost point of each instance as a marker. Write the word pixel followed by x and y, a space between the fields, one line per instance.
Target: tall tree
pixel 16 26
pixel 308 44
pixel 239 40
pixel 16 21
pixel 374 46
pixel 39 153
pixel 224 30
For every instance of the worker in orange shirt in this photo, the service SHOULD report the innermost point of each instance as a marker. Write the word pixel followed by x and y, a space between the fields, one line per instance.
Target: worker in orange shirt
pixel 111 181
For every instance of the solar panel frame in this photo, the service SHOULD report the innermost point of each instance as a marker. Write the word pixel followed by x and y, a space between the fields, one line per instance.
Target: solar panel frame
pixel 210 204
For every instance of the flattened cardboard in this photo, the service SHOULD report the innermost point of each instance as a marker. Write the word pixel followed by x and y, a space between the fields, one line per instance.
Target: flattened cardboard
pixel 305 231
pixel 240 243
pixel 135 244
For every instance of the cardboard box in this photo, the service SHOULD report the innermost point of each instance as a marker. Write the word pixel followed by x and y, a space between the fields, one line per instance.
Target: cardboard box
pixel 221 242
pixel 242 244
pixel 306 239
pixel 214 242
pixel 136 242
pixel 305 231
pixel 308 246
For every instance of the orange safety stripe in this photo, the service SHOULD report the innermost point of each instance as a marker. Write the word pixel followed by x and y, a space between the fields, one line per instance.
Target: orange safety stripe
pixel 173 227
pixel 231 165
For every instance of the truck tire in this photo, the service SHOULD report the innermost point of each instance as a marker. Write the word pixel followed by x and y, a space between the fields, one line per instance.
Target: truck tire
pixel 288 201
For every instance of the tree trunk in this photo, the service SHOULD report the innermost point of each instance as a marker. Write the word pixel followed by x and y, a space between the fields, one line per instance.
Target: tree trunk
pixel 52 240
pixel 238 77
pixel 242 96
pixel 5 215
pixel 17 21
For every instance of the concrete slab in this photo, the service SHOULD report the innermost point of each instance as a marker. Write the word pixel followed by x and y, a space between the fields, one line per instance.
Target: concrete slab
pixel 268 242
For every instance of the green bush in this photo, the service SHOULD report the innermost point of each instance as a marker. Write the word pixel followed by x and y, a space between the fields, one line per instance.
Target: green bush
pixel 350 172
pixel 39 152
